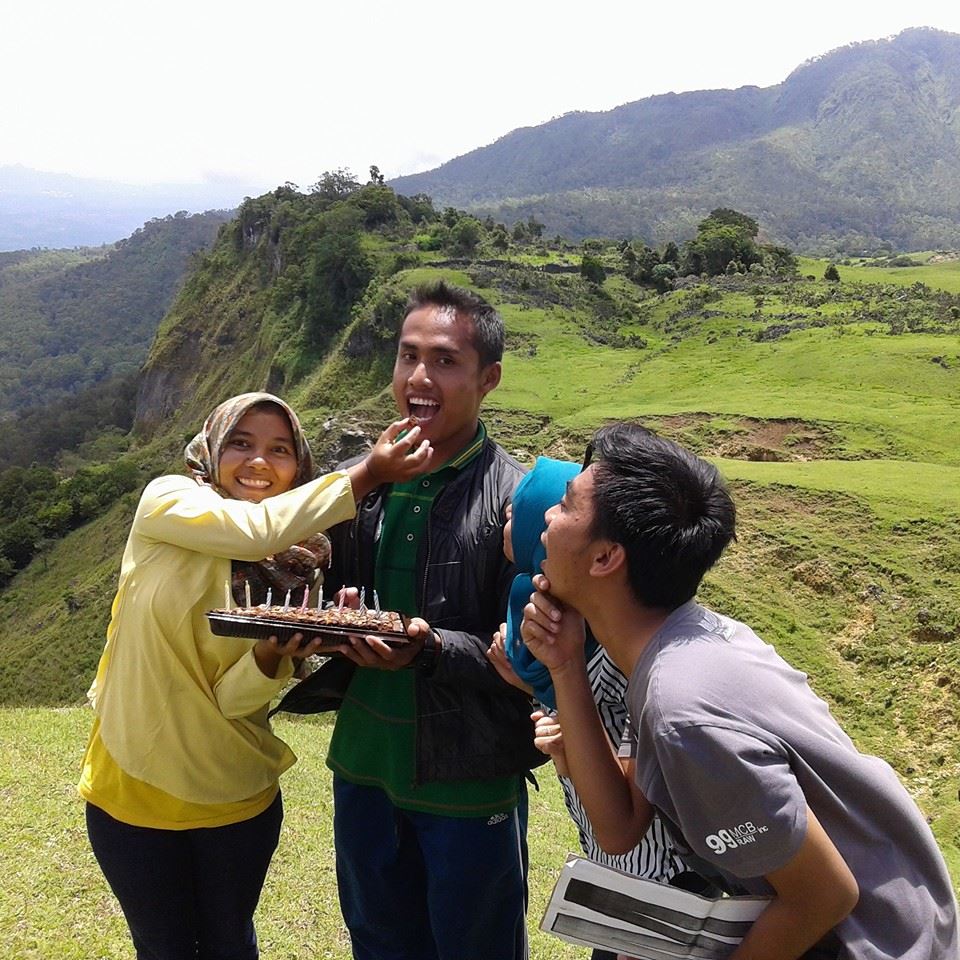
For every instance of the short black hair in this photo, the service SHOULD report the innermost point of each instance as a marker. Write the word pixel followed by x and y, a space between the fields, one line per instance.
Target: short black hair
pixel 668 508
pixel 488 333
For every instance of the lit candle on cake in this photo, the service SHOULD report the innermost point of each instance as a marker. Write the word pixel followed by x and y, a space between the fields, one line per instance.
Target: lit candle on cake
pixel 320 598
pixel 286 601
pixel 246 593
pixel 269 597
pixel 306 596
pixel 227 605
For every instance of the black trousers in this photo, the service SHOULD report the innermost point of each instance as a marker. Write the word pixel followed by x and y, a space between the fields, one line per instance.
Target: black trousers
pixel 188 894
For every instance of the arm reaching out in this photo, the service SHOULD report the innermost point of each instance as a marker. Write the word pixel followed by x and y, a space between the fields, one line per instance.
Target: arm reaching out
pixel 394 458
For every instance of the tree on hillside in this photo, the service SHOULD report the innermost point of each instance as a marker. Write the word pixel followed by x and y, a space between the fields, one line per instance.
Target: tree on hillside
pixel 419 207
pixel 591 269
pixel 379 204
pixel 779 261
pixel 725 217
pixel 534 227
pixel 465 235
pixel 18 541
pixel 338 272
pixel 662 276
pixel 335 184
pixel 671 254
pixel 450 216
pixel 639 261
pixel 499 238
pixel 713 249
pixel 831 273
pixel 723 238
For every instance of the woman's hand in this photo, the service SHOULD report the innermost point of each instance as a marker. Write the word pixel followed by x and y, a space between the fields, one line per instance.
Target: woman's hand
pixel 393 459
pixel 347 597
pixel 497 655
pixel 270 652
pixel 548 739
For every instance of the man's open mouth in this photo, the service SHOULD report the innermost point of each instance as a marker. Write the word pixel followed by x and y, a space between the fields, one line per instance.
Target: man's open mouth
pixel 423 408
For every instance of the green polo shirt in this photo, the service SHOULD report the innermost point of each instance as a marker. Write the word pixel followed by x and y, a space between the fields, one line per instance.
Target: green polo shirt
pixel 374 741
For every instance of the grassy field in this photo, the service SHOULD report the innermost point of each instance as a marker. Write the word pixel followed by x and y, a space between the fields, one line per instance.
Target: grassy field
pixel 941 273
pixel 54 902
pixel 864 393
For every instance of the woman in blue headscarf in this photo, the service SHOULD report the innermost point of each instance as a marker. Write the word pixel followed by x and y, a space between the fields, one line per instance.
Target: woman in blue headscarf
pixel 654 857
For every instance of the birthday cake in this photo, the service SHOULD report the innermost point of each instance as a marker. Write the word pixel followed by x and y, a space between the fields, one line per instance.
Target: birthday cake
pixel 333 624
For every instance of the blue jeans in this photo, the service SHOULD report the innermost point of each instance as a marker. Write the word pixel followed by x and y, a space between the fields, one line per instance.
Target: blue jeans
pixel 418 886
pixel 188 894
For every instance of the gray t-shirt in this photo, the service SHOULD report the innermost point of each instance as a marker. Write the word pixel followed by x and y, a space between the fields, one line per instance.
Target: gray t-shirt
pixel 731 745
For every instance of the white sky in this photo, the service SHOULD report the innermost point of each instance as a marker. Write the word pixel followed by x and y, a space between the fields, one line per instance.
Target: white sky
pixel 192 90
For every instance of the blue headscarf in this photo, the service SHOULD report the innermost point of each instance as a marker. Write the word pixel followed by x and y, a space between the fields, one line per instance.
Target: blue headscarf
pixel 539 490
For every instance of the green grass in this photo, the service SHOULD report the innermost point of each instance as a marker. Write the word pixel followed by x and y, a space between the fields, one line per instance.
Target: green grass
pixel 54 902
pixel 943 275
pixel 894 489
pixel 878 395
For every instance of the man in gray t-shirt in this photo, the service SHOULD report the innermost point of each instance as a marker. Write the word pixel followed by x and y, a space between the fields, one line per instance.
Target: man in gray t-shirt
pixel 732 746
pixel 726 741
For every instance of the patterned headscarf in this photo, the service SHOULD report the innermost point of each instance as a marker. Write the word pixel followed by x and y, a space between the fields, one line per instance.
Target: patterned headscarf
pixel 203 452
pixel 296 567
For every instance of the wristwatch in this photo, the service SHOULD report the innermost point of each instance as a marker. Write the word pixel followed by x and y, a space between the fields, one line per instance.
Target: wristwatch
pixel 426 659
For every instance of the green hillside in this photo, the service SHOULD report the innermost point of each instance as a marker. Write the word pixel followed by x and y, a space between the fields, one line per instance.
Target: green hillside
pixel 832 407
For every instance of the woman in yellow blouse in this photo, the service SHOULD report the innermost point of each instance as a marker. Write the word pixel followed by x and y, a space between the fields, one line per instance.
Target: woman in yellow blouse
pixel 181 771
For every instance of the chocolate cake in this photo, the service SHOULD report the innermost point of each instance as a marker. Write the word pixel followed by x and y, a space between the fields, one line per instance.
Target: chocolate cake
pixel 334 624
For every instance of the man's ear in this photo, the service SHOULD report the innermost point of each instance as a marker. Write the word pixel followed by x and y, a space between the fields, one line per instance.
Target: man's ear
pixel 608 558
pixel 490 376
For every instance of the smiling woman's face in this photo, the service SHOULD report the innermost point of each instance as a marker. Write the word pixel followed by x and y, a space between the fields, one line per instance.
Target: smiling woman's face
pixel 259 459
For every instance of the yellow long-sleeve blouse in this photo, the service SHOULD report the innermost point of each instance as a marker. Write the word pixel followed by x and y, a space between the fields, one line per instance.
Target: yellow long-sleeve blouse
pixel 178 709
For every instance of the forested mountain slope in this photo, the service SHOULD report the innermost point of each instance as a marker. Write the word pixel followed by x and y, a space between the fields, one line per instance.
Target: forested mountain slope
pixel 70 319
pixel 854 150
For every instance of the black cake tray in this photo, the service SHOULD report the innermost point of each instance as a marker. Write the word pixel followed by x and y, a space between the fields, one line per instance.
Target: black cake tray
pixel 257 628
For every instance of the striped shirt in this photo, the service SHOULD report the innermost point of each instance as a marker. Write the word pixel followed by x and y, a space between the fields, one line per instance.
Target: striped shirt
pixel 654 858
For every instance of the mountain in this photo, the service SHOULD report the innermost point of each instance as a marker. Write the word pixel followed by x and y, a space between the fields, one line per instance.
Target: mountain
pixel 856 150
pixel 70 319
pixel 39 209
